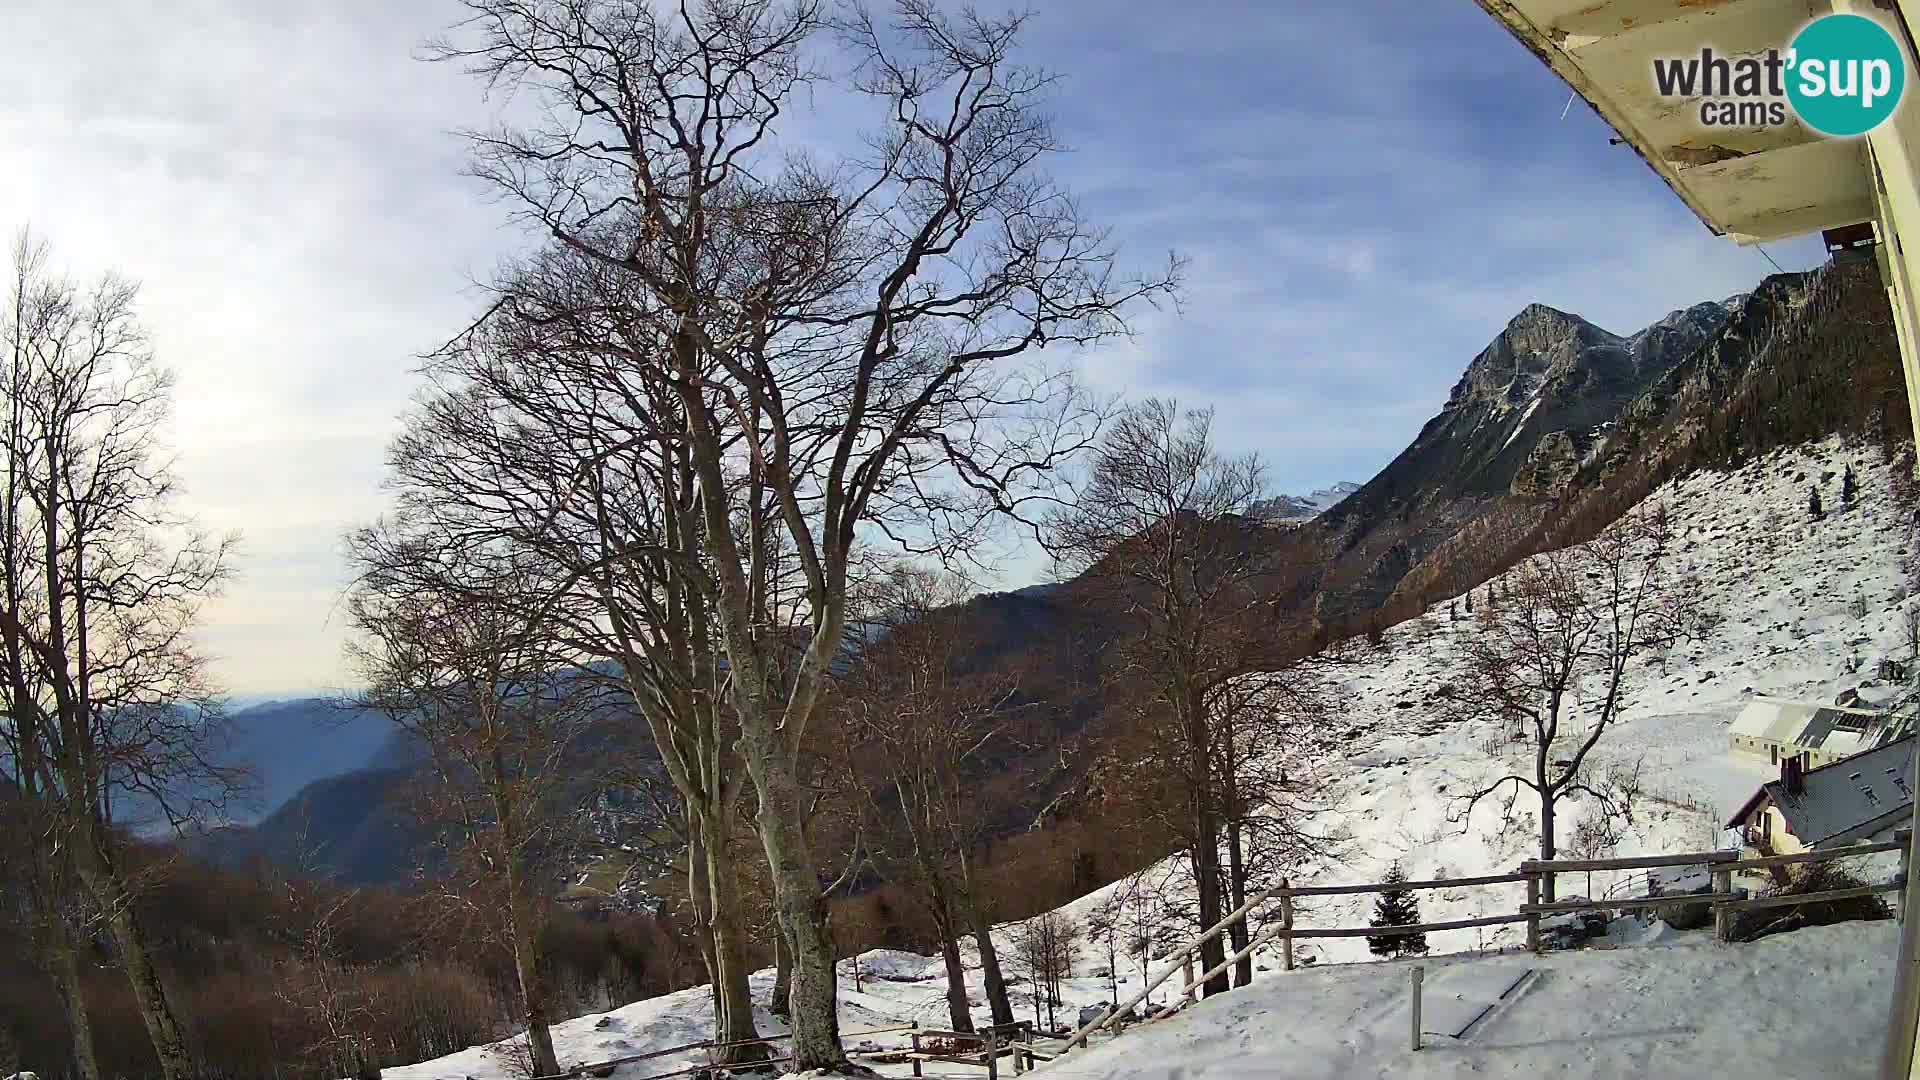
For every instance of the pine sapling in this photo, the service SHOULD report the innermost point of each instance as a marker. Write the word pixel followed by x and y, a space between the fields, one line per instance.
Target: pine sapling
pixel 1396 907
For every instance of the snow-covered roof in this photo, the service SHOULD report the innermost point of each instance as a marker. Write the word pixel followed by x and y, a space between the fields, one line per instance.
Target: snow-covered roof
pixel 1837 801
pixel 1833 729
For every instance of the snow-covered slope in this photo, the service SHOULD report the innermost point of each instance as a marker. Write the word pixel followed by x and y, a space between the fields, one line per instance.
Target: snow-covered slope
pixel 1786 589
pixel 1790 592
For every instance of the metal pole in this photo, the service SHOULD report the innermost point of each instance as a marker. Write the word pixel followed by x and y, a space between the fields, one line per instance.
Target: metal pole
pixel 1417 974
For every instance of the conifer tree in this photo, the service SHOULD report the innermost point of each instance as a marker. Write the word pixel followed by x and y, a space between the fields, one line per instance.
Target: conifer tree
pixel 1396 907
pixel 1814 510
pixel 1848 488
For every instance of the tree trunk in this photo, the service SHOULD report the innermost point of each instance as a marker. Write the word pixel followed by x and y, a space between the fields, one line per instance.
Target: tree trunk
pixel 779 1002
pixel 95 867
pixel 699 900
pixel 997 997
pixel 940 903
pixel 733 1020
pixel 1547 847
pixel 63 963
pixel 815 1019
pixel 1206 844
pixel 1237 935
pixel 526 964
pixel 959 1010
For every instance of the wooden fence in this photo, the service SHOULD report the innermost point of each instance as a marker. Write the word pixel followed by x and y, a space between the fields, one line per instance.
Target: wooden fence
pixel 602 1068
pixel 1535 874
pixel 1018 1040
pixel 994 1040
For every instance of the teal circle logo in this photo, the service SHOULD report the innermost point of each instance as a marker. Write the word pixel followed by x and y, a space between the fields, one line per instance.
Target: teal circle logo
pixel 1845 74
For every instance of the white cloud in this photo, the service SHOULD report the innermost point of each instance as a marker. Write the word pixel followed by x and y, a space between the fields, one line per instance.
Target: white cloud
pixel 1366 200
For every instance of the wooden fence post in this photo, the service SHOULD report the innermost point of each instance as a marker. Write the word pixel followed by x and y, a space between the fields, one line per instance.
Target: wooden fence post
pixel 1417 973
pixel 1286 922
pixel 1900 898
pixel 916 1048
pixel 1533 917
pixel 1722 914
pixel 993 1052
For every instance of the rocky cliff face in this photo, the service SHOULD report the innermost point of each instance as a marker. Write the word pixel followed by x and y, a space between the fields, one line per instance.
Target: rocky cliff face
pixel 1524 416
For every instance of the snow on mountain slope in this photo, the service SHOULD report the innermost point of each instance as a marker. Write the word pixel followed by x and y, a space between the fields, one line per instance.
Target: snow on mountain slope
pixel 1289 509
pixel 1788 590
pixel 1785 587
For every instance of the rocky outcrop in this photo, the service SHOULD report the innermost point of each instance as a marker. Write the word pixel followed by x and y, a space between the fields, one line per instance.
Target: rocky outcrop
pixel 1550 468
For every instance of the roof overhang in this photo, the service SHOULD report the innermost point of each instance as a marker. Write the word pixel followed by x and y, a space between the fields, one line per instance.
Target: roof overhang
pixel 1752 183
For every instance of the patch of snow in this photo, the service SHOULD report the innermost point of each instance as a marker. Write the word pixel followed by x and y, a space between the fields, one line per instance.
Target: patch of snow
pixel 1520 424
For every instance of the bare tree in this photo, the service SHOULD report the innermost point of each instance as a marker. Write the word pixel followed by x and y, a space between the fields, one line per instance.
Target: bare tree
pixel 1048 947
pixel 1162 526
pixel 1553 655
pixel 924 728
pixel 455 651
pixel 838 339
pixel 107 701
pixel 536 434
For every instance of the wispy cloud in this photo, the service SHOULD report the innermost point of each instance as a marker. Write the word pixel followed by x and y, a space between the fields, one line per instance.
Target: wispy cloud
pixel 1367 192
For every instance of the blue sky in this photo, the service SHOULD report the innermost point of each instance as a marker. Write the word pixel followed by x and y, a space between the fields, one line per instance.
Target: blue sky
pixel 1366 191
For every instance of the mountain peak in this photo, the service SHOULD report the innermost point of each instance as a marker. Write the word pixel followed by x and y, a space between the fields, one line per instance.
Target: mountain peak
pixel 1288 509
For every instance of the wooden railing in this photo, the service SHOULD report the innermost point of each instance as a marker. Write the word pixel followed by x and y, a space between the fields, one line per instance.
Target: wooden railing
pixel 1723 865
pixel 1535 874
pixel 994 1040
pixel 588 1068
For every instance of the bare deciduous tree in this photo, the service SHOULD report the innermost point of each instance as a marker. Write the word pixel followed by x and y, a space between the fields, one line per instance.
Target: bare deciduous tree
pixel 838 340
pixel 1048 947
pixel 1162 526
pixel 1552 657
pixel 107 702
pixel 455 650
pixel 923 727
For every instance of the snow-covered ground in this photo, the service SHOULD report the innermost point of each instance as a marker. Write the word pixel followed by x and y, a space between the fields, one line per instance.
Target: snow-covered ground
pixel 1686 1009
pixel 1790 593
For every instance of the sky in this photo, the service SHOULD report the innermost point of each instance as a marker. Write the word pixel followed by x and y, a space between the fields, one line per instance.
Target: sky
pixel 1367 192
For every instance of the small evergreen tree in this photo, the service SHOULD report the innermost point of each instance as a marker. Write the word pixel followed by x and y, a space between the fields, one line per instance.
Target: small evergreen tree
pixel 1814 510
pixel 1469 601
pixel 1848 487
pixel 1396 907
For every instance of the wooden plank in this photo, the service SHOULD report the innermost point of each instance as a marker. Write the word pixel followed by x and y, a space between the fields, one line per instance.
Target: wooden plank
pixel 772 1037
pixel 1820 855
pixel 1814 898
pixel 1421 928
pixel 1438 883
pixel 1565 907
pixel 1637 862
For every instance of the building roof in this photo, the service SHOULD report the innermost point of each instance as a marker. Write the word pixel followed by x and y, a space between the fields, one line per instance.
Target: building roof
pixel 1755 183
pixel 1830 729
pixel 1838 799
